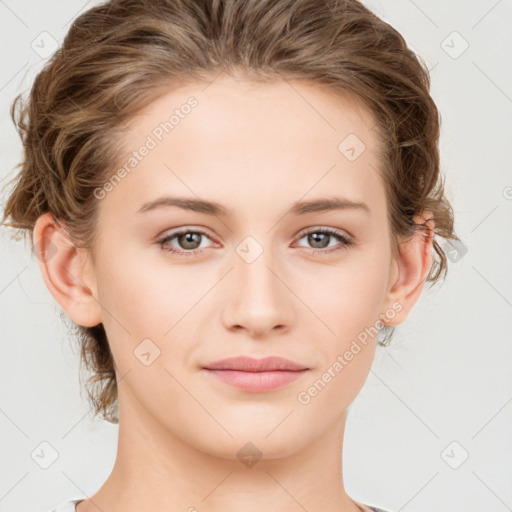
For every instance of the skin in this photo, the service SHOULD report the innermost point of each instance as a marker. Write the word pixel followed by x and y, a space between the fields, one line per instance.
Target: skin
pixel 256 149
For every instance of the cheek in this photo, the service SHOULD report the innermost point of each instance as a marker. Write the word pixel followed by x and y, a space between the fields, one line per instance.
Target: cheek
pixel 141 303
pixel 348 301
pixel 337 385
pixel 349 310
pixel 146 298
pixel 348 298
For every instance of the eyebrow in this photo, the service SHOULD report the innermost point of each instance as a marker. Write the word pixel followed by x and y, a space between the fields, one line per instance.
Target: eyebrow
pixel 213 208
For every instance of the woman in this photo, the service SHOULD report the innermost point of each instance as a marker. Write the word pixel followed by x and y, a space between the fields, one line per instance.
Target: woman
pixel 230 200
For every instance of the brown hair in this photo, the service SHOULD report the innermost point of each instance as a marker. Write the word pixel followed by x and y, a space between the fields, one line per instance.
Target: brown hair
pixel 119 56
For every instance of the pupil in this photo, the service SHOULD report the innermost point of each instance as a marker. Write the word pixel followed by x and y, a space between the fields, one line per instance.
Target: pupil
pixel 313 239
pixel 189 240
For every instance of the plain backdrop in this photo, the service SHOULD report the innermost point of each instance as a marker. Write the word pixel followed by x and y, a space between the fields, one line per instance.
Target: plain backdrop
pixel 431 428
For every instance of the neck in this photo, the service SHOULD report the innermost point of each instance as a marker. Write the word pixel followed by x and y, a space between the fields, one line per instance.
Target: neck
pixel 156 470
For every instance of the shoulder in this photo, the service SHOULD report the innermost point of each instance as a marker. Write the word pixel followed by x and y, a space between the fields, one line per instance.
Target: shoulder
pixel 67 506
pixel 70 506
pixel 372 508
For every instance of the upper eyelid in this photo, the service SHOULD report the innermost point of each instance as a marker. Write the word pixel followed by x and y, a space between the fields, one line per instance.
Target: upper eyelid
pixel 314 229
pixel 205 231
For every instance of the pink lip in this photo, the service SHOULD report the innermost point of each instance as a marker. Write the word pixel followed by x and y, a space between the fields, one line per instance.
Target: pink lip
pixel 248 364
pixel 256 375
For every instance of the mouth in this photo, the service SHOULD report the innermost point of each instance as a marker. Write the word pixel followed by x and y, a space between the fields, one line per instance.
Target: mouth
pixel 256 375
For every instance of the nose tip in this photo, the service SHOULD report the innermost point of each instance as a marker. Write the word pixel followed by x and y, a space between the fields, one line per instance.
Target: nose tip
pixel 258 301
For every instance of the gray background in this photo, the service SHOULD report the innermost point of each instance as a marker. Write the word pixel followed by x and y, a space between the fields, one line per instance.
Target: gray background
pixel 443 388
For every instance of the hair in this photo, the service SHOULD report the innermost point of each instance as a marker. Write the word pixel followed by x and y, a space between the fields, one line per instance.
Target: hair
pixel 119 56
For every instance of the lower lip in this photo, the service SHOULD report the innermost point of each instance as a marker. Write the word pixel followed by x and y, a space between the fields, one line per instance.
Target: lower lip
pixel 257 381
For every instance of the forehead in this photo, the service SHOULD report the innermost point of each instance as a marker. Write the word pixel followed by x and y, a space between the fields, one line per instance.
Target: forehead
pixel 230 109
pixel 277 142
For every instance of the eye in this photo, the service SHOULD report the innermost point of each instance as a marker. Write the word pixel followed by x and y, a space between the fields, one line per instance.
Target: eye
pixel 320 238
pixel 189 242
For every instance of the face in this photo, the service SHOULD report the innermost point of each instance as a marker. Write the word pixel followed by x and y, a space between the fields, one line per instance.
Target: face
pixel 253 265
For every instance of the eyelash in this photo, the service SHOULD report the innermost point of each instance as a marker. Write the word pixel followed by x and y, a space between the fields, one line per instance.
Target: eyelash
pixel 345 242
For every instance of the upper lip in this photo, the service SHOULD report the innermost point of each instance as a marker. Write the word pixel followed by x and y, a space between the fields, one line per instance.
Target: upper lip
pixel 249 364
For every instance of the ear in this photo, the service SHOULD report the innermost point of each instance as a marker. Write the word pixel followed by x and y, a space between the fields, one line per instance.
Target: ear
pixel 67 271
pixel 413 265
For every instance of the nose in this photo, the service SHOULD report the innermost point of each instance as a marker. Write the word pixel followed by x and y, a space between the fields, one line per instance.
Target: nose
pixel 257 298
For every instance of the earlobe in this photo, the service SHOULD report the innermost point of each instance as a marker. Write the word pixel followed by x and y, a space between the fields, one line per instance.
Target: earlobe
pixel 64 271
pixel 414 263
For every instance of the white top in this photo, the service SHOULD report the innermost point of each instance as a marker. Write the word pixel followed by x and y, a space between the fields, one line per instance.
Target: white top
pixel 69 506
